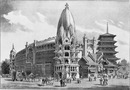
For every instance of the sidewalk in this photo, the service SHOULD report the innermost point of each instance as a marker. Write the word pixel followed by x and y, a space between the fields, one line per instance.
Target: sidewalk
pixel 7 83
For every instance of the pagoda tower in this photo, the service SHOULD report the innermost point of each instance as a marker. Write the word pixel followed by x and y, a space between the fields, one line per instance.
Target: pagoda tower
pixel 66 52
pixel 106 45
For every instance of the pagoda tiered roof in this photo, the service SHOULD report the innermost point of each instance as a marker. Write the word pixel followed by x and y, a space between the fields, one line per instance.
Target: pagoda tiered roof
pixel 110 64
pixel 106 35
pixel 113 58
pixel 107 46
pixel 101 41
pixel 109 51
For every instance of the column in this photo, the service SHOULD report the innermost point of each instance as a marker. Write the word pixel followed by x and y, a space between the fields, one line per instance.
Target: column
pixel 67 75
pixel 77 75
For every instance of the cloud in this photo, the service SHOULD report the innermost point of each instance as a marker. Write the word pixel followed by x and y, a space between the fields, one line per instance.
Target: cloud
pixel 6 6
pixel 122 42
pixel 40 31
pixel 16 18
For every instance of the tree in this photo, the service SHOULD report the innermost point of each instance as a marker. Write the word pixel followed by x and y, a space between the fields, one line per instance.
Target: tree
pixel 123 62
pixel 5 67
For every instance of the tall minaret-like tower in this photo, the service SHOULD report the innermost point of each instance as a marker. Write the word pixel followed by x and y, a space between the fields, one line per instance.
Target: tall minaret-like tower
pixel 12 58
pixel 66 59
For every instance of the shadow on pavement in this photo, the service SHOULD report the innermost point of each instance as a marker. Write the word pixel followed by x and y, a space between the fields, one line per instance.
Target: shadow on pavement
pixel 8 79
pixel 97 84
pixel 57 86
pixel 112 87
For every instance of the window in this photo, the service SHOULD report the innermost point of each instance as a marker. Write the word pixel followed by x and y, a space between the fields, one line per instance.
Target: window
pixel 66 54
pixel 67 48
pixel 66 61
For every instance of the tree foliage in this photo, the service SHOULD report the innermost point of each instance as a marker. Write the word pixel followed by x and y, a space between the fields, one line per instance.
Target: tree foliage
pixel 5 67
pixel 124 62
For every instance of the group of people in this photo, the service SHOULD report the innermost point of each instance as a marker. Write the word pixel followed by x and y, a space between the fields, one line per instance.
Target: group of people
pixel 104 79
pixel 62 82
pixel 92 77
pixel 21 75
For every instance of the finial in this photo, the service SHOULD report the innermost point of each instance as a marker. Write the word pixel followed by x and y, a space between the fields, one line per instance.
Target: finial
pixel 66 5
pixel 26 43
pixel 13 46
pixel 107 27
pixel 84 35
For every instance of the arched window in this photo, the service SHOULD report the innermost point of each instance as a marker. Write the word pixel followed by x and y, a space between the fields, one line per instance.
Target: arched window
pixel 66 61
pixel 66 54
pixel 67 47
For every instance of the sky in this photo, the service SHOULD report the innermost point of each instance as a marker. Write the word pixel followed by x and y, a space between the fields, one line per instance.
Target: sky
pixel 26 21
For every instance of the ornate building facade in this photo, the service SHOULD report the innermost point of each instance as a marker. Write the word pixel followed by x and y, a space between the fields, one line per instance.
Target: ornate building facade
pixel 62 56
pixel 66 49
pixel 53 56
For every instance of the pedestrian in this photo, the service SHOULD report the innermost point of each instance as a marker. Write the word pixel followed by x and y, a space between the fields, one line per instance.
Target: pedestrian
pixel 95 78
pixel 14 75
pixel 101 81
pixel 105 80
pixel 90 79
pixel 61 82
pixel 43 81
pixel 78 81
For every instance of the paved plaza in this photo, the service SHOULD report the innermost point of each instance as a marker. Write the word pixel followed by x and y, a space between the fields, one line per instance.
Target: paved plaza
pixel 113 84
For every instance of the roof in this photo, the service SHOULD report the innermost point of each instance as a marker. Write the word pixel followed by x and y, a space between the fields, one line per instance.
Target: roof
pixel 109 51
pixel 110 64
pixel 107 41
pixel 106 35
pixel 89 61
pixel 111 46
pixel 46 41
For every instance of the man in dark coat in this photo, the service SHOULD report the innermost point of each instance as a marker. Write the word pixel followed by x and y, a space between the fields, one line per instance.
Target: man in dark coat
pixel 14 75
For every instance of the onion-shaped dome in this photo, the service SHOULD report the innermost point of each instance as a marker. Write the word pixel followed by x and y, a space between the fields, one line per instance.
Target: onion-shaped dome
pixel 66 25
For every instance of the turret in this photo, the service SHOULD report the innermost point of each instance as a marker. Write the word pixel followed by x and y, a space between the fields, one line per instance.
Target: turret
pixel 12 57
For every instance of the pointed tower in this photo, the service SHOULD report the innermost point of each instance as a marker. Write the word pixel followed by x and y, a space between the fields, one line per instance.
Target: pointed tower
pixel 106 45
pixel 66 60
pixel 12 58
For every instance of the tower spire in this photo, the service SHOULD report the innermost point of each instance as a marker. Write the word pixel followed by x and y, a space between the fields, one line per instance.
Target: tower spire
pixel 13 46
pixel 107 27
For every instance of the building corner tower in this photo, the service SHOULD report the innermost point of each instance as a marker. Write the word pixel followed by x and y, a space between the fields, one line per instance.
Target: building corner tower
pixel 12 58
